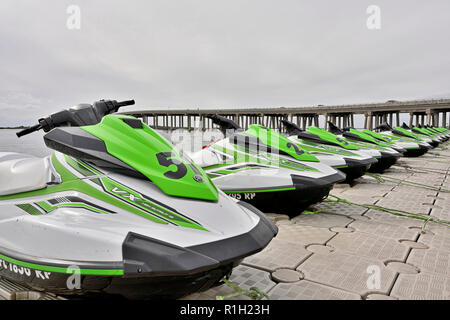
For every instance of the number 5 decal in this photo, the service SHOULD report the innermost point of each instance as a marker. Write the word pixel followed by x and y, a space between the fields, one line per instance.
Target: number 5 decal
pixel 297 150
pixel 166 159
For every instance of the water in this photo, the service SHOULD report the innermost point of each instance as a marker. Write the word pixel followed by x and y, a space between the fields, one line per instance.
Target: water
pixel 30 144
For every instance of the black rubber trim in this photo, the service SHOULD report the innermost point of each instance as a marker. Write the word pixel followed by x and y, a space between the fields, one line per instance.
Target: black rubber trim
pixel 302 182
pixel 351 163
pixel 153 257
pixel 134 123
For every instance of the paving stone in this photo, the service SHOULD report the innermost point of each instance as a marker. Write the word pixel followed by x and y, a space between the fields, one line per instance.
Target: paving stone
pixel 361 197
pixel 342 230
pixel 275 217
pixel 320 248
pixel 413 206
pixel 278 254
pixel 376 296
pixel 386 230
pixel 245 277
pixel 414 244
pixel 303 235
pixel 422 286
pixel 439 241
pixel 384 217
pixel 13 291
pixel 370 246
pixel 434 229
pixel 347 272
pixel 307 290
pixel 286 275
pixel 442 209
pixel 431 260
pixel 322 220
pixel 341 209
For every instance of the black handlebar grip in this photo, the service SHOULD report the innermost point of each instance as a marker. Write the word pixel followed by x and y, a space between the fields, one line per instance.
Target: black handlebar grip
pixel 28 130
pixel 125 103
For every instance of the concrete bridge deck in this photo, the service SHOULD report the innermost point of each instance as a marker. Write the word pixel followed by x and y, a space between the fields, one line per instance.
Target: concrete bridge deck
pixel 420 112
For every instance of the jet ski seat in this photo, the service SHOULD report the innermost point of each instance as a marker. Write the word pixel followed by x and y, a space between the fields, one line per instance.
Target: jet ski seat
pixel 22 173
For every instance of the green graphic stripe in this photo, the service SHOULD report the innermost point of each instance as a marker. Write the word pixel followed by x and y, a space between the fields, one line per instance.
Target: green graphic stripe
pixel 258 191
pixel 30 209
pixel 100 272
pixel 79 167
pixel 70 182
pixel 132 197
pixel 271 160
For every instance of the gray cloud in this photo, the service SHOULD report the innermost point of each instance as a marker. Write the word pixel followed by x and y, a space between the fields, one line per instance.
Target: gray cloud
pixel 236 53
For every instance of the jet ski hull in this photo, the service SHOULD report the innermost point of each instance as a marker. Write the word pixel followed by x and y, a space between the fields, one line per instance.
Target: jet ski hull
pixel 356 168
pixel 384 162
pixel 150 268
pixel 415 152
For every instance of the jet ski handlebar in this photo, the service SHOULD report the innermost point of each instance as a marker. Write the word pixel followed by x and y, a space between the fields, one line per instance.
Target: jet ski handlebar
pixel 80 115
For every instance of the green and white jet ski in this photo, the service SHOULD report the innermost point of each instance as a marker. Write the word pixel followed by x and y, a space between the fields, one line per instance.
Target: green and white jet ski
pixel 407 148
pixel 117 210
pixel 266 169
pixel 356 162
pixel 424 131
pixel 385 156
pixel 405 133
pixel 412 146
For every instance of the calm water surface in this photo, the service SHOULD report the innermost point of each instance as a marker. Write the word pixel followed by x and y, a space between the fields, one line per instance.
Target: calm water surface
pixel 31 144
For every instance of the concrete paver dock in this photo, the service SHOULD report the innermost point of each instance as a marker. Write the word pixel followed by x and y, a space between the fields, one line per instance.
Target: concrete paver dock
pixel 351 252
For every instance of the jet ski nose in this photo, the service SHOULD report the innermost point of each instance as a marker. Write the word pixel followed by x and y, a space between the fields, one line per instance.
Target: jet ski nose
pixel 400 150
pixel 302 182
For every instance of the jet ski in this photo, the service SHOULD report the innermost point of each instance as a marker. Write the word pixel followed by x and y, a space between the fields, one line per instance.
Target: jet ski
pixel 407 148
pixel 117 210
pixel 445 136
pixel 423 131
pixel 385 156
pixel 356 162
pixel 387 133
pixel 265 169
pixel 405 132
pixel 389 155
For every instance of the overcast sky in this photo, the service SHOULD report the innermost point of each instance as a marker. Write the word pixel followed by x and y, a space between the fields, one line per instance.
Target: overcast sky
pixel 219 54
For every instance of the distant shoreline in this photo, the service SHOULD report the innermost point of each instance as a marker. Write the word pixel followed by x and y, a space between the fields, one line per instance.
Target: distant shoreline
pixel 20 127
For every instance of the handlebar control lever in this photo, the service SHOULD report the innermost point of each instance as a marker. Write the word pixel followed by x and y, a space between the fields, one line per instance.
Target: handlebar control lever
pixel 81 115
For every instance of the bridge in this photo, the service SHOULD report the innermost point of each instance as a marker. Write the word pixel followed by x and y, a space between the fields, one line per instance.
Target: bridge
pixel 432 112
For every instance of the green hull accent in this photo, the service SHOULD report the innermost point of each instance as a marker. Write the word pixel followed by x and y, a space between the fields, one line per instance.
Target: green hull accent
pixel 277 141
pixel 242 155
pixel 29 208
pixel 150 154
pixel 311 146
pixel 260 191
pixel 332 138
pixel 99 272
pixel 134 198
pixel 49 208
